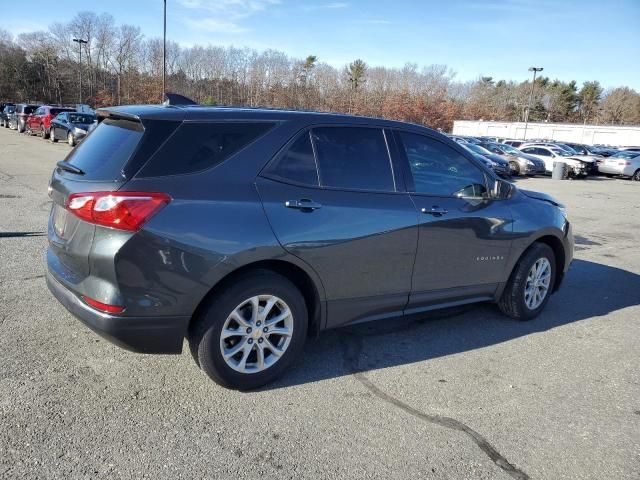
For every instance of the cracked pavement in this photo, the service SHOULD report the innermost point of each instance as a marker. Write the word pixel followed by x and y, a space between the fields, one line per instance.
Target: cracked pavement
pixel 457 394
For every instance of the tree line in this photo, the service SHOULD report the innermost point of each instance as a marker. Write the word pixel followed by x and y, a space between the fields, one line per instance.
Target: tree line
pixel 121 66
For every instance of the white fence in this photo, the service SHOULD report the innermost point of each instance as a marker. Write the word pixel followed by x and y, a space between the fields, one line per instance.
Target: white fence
pixel 589 134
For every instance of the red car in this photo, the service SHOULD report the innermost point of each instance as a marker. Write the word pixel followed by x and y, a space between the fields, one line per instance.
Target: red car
pixel 39 122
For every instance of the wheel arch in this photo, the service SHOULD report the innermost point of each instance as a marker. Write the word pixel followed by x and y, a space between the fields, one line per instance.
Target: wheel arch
pixel 558 250
pixel 311 290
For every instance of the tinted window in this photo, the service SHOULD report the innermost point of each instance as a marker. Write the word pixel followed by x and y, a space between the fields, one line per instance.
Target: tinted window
pixel 440 170
pixel 104 153
pixel 78 117
pixel 198 146
pixel 353 158
pixel 29 109
pixel 296 163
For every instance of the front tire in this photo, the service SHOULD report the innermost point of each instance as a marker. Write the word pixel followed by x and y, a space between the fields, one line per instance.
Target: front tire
pixel 43 132
pixel 71 139
pixel 514 169
pixel 251 331
pixel 530 285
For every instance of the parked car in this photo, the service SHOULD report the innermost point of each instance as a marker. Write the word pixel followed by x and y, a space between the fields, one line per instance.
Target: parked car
pixel 550 155
pixel 246 230
pixel 464 139
pixel 39 123
pixel 70 126
pixel 603 151
pixel 590 161
pixel 496 163
pixel 513 143
pixel 625 163
pixel 5 113
pixel 519 163
pixel 5 104
pixel 18 119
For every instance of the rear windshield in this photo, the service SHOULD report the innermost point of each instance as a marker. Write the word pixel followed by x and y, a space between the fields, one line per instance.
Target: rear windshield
pixel 105 152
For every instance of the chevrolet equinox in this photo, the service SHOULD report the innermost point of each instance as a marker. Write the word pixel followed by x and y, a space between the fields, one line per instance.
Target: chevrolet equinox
pixel 247 230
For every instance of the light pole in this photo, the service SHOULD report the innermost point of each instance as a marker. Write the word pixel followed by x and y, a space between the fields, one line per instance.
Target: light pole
pixel 533 84
pixel 80 41
pixel 164 51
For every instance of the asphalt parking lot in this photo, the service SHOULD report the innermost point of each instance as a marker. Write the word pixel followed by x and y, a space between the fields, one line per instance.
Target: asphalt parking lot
pixel 464 394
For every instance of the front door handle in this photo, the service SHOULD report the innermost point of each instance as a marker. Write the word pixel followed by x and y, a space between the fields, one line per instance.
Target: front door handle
pixel 302 204
pixel 436 211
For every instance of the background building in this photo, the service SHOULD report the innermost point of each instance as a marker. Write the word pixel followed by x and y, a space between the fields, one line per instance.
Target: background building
pixel 568 132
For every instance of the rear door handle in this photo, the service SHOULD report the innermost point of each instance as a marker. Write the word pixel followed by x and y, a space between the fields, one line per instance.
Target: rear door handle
pixel 302 204
pixel 436 211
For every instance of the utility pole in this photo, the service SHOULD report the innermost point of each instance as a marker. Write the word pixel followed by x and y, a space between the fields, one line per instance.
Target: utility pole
pixel 80 41
pixel 164 52
pixel 533 84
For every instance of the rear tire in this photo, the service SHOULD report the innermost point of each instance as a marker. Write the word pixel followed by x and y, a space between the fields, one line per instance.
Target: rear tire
pixel 52 136
pixel 43 132
pixel 207 342
pixel 20 128
pixel 636 176
pixel 514 301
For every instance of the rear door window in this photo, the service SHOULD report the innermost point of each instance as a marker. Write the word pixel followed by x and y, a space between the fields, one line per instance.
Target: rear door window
pixel 353 158
pixel 296 164
pixel 103 155
pixel 198 146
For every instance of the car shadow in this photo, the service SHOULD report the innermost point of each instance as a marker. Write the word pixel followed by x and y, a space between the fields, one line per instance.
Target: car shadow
pixel 590 290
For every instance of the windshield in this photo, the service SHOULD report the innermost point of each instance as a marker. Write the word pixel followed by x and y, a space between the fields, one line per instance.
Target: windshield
pixel 478 149
pixel 560 152
pixel 509 149
pixel 10 109
pixel 566 148
pixel 81 118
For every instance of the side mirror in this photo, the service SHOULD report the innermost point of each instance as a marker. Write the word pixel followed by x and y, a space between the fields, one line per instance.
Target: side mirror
pixel 501 189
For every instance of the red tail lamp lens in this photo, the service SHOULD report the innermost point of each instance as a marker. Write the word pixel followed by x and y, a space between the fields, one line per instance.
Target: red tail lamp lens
pixel 122 210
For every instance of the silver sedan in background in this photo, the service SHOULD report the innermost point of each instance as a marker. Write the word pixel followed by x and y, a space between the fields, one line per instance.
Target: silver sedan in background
pixel 626 163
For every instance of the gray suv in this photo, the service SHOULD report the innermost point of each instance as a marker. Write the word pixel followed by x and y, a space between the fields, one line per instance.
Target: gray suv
pixel 246 230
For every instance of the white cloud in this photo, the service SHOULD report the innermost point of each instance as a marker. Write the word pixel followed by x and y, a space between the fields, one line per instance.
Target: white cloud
pixel 326 6
pixel 234 9
pixel 213 25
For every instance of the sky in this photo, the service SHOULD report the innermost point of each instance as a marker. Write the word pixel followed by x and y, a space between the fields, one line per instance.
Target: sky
pixel 571 39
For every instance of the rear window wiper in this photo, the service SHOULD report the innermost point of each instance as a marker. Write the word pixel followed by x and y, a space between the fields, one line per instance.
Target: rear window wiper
pixel 67 167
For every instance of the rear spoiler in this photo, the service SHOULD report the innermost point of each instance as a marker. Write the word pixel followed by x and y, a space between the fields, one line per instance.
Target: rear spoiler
pixel 103 113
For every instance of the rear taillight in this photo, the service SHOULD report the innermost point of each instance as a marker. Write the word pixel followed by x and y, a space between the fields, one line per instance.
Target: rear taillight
pixel 121 210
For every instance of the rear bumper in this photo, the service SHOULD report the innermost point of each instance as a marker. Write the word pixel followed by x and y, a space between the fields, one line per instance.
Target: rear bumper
pixel 137 334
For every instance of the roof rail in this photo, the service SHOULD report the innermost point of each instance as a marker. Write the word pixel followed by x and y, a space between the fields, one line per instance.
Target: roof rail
pixel 177 99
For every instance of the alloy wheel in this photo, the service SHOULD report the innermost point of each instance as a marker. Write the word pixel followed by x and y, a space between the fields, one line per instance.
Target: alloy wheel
pixel 636 176
pixel 256 334
pixel 536 287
